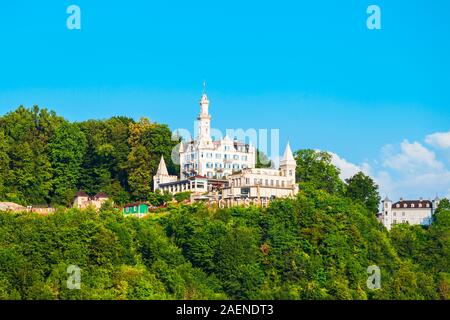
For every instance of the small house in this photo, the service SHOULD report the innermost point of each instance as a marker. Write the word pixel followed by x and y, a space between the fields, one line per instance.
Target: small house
pixel 82 200
pixel 137 208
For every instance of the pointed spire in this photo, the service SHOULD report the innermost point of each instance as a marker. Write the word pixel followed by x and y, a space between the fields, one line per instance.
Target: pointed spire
pixel 387 199
pixel 288 156
pixel 162 169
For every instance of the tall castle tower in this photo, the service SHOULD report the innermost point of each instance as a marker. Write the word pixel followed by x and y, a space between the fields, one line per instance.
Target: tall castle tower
pixel 204 122
pixel 213 159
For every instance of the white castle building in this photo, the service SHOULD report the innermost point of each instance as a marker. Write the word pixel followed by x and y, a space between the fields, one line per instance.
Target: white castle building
pixel 263 184
pixel 413 212
pixel 213 159
pixel 225 170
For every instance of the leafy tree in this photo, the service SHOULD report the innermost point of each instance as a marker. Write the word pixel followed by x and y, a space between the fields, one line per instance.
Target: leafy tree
pixel 362 188
pixel 316 169
pixel 182 196
pixel 159 198
pixel 67 149
pixel 4 165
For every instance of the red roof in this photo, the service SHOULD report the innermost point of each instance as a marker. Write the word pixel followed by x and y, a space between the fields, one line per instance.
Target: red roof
pixel 81 193
pixel 101 195
pixel 197 177
pixel 136 204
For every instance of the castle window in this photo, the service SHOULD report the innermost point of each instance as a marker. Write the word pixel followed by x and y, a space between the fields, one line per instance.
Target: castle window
pixel 236 157
pixel 290 173
pixel 244 158
pixel 218 156
pixel 395 214
pixel 412 205
pixel 428 205
pixel 398 206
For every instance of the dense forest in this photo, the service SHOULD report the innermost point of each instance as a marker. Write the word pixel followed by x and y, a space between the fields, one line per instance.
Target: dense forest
pixel 315 246
pixel 44 159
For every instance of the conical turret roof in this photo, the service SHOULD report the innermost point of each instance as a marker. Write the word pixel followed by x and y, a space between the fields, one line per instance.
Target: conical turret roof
pixel 288 156
pixel 162 168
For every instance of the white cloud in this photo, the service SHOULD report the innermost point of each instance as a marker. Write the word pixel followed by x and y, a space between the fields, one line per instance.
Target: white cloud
pixel 410 171
pixel 439 140
pixel 413 158
pixel 348 169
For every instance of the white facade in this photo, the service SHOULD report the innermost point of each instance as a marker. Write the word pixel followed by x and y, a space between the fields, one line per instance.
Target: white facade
pixel 413 212
pixel 83 201
pixel 196 185
pixel 263 184
pixel 213 159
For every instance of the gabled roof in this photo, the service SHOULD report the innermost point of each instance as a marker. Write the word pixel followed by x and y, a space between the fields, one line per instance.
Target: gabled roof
pixel 81 193
pixel 101 195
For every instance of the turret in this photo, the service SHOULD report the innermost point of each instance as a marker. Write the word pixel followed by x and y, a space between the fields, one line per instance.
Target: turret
pixel 435 204
pixel 387 204
pixel 162 175
pixel 288 164
pixel 204 121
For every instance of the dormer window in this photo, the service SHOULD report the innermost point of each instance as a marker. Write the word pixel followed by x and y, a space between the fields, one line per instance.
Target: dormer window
pixel 428 205
pixel 412 205
pixel 405 205
pixel 420 205
pixel 398 206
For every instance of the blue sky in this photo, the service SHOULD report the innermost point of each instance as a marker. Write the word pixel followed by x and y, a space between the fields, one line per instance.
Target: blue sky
pixel 312 69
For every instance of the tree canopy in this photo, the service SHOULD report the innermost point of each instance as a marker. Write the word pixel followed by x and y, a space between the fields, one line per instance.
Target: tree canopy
pixel 45 159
